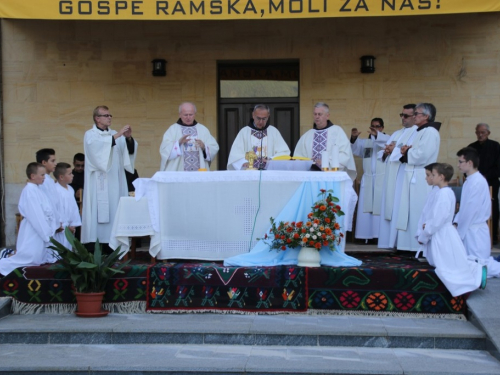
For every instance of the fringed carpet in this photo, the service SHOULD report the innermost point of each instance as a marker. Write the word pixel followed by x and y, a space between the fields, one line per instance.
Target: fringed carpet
pixel 382 285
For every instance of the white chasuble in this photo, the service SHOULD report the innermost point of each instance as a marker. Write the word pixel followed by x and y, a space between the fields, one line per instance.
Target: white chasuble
pixel 188 157
pixel 105 182
pixel 270 145
pixel 335 137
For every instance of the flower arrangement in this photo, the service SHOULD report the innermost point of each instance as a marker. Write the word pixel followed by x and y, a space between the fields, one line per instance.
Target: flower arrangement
pixel 320 229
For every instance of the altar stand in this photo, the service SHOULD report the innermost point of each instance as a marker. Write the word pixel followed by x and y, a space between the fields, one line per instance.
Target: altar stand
pixel 220 215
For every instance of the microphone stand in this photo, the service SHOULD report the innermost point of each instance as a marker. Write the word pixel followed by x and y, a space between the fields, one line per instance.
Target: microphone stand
pixel 261 166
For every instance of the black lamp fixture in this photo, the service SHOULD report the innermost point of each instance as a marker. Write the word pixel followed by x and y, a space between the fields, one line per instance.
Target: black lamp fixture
pixel 159 67
pixel 367 64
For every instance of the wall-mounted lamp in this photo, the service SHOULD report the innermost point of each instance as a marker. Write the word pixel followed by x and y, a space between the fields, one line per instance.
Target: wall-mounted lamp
pixel 367 64
pixel 159 67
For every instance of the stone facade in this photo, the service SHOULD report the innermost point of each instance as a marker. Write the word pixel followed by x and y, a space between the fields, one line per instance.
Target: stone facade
pixel 56 72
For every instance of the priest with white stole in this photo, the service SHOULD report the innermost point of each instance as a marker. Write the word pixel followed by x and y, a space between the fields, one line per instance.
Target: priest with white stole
pixel 325 136
pixel 261 138
pixel 424 150
pixel 370 195
pixel 393 178
pixel 187 145
pixel 108 154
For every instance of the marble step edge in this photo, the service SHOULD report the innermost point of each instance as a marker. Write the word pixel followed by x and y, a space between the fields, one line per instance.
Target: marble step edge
pixel 219 359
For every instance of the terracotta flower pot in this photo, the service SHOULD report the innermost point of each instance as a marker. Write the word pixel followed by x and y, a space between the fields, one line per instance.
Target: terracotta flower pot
pixel 309 257
pixel 89 305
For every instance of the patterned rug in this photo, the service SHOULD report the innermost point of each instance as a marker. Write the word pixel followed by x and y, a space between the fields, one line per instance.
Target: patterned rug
pixel 383 285
pixel 210 286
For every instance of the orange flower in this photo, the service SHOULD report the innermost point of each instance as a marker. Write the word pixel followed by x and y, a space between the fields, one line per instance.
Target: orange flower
pixel 318 245
pixel 322 208
pixel 304 230
pixel 289 229
pixel 304 239
pixel 336 226
pixel 316 221
pixel 299 224
pixel 296 235
pixel 310 215
pixel 328 231
pixel 321 228
pixel 308 224
pixel 327 220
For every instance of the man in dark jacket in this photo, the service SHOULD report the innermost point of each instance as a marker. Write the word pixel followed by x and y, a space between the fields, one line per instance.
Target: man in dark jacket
pixel 489 167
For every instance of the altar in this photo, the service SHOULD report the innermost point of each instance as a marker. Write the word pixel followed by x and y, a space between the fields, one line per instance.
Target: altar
pixel 218 215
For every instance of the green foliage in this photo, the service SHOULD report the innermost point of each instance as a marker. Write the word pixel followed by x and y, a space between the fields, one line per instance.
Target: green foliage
pixel 89 272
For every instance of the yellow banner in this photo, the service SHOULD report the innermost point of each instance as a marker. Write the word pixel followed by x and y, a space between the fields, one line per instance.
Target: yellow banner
pixel 233 9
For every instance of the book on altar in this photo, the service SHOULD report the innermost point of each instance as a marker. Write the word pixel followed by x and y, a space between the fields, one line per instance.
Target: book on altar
pixel 287 163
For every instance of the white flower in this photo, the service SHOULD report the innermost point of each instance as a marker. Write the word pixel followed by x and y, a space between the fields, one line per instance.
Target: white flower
pixel 314 237
pixel 311 230
pixel 308 235
pixel 319 233
pixel 315 225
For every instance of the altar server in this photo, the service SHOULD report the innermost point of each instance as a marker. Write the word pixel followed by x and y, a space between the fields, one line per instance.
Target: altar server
pixel 47 157
pixel 38 224
pixel 423 150
pixel 444 248
pixel 325 136
pixel 475 210
pixel 394 176
pixel 69 213
pixel 187 145
pixel 261 138
pixel 108 154
pixel 370 195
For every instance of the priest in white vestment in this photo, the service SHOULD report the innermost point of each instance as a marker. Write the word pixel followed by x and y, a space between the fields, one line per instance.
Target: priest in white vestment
pixel 423 150
pixel 394 177
pixel 474 212
pixel 325 136
pixel 370 194
pixel 108 154
pixel 37 226
pixel 261 138
pixel 187 145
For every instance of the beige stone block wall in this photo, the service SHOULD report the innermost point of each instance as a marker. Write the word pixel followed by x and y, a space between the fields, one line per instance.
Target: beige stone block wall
pixel 56 72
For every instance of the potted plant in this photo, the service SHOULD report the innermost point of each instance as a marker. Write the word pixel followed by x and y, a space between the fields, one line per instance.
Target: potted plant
pixel 320 229
pixel 89 273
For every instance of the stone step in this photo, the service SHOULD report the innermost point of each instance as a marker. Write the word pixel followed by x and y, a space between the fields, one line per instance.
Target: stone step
pixel 245 330
pixel 225 359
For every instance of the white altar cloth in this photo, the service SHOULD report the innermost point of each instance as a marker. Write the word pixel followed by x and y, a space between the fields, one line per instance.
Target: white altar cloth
pixel 216 215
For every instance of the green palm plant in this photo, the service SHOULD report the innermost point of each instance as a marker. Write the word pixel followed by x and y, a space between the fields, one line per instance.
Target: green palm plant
pixel 89 272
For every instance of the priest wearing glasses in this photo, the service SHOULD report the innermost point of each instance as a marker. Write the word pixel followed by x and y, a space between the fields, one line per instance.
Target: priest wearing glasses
pixel 263 139
pixel 108 153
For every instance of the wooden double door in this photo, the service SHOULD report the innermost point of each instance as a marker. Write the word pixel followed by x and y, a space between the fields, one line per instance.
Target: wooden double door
pixel 234 114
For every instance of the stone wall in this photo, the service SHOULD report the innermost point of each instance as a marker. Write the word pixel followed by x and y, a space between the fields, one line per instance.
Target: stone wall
pixel 56 72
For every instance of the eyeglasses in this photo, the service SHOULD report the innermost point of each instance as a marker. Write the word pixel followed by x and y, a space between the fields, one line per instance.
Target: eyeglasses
pixel 420 113
pixel 405 115
pixel 261 119
pixel 107 115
